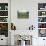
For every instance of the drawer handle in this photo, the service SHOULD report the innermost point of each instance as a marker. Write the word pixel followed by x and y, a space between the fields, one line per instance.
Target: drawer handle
pixel 1 39
pixel 43 39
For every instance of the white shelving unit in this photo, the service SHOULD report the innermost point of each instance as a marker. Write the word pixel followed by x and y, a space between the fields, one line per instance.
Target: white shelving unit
pixel 4 17
pixel 42 18
pixel 4 23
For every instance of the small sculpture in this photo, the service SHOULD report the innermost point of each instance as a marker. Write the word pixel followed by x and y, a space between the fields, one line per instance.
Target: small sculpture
pixel 13 27
pixel 31 27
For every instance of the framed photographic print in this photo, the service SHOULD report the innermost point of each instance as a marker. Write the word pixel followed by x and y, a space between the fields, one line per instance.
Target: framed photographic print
pixel 23 15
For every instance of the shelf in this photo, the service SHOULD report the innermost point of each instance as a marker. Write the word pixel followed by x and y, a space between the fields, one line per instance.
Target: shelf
pixel 3 10
pixel 41 10
pixel 3 16
pixel 3 22
pixel 42 16
pixel 42 37
pixel 41 28
pixel 41 22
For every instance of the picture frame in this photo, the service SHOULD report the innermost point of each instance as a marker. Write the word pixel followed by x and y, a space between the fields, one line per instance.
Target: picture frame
pixel 23 14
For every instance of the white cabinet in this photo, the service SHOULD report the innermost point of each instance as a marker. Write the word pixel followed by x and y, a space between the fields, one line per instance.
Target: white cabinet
pixel 3 40
pixel 4 21
pixel 41 41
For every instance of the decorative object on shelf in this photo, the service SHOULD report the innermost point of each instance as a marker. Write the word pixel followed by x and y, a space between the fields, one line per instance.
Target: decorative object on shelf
pixel 3 6
pixel 4 29
pixel 41 6
pixel 40 25
pixel 43 13
pixel 23 14
pixel 31 27
pixel 3 13
pixel 3 19
pixel 13 27
pixel 41 19
pixel 0 7
pixel 42 32
pixel 45 7
pixel 4 26
pixel 6 7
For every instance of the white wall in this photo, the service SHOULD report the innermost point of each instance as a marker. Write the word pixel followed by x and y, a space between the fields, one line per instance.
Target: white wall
pixel 16 5
pixel 23 24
